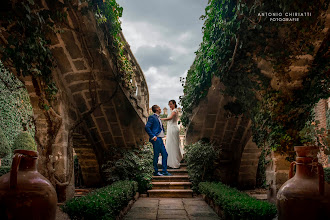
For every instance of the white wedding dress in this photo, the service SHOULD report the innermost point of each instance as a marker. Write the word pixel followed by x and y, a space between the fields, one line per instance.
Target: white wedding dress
pixel 173 144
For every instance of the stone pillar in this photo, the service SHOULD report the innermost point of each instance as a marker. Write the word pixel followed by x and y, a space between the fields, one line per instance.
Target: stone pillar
pixel 277 173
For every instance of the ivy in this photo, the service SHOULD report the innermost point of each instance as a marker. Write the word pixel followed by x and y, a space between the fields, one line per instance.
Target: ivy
pixel 15 109
pixel 235 40
pixel 25 46
pixel 108 13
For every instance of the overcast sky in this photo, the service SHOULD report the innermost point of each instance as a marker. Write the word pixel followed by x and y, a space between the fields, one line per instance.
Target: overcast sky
pixel 163 35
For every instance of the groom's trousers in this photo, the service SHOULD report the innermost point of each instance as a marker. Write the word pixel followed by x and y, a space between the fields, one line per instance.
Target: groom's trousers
pixel 159 147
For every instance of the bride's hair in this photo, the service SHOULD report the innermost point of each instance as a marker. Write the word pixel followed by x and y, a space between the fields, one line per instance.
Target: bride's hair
pixel 174 103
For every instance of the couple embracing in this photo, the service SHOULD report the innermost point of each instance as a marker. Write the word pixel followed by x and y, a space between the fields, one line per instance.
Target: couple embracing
pixel 172 153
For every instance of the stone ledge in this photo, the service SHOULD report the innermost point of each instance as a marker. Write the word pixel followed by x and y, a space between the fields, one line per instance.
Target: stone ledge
pixel 128 207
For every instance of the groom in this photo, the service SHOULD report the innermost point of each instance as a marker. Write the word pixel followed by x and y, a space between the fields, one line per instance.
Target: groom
pixel 155 130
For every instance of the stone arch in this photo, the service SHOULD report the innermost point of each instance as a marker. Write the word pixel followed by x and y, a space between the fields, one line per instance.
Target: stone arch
pixel 211 121
pixel 249 165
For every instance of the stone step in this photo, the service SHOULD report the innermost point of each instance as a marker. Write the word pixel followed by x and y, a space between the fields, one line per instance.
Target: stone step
pixel 171 185
pixel 176 171
pixel 171 193
pixel 174 178
pixel 182 166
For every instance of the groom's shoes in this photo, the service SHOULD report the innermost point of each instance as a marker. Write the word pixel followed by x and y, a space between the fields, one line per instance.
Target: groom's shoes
pixel 166 174
pixel 158 174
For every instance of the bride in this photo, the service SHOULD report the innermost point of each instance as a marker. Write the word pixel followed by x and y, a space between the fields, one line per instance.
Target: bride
pixel 173 146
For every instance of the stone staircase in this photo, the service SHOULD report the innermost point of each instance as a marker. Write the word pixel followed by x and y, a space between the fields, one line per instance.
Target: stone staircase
pixel 175 186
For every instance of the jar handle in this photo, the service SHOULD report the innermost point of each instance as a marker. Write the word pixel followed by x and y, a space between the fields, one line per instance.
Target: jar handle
pixel 291 169
pixel 321 178
pixel 14 170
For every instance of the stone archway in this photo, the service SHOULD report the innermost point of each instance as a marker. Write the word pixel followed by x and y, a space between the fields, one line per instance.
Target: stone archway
pixel 211 121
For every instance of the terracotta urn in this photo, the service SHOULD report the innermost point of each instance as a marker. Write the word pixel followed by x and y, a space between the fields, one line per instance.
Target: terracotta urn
pixel 24 192
pixel 305 195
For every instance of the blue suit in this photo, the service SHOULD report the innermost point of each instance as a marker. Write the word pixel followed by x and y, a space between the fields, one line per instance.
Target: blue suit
pixel 154 128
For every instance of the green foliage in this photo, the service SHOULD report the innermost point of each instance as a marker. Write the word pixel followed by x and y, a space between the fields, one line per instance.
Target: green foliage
pixel 133 165
pixel 235 40
pixel 27 48
pixel 261 171
pixel 327 174
pixel 108 13
pixel 328 119
pixel 24 141
pixel 102 204
pixel 236 204
pixel 4 170
pixel 16 112
pixel 4 145
pixel 200 158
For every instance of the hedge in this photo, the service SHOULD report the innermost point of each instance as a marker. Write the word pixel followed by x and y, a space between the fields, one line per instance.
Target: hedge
pixel 104 203
pixel 236 204
pixel 4 170
pixel 327 174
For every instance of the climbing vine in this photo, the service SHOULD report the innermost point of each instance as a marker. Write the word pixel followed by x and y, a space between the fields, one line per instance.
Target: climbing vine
pixel 236 39
pixel 24 48
pixel 108 13
pixel 15 109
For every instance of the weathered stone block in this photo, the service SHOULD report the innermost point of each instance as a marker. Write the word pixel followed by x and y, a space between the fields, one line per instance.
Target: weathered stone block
pixel 111 114
pixel 107 137
pixel 80 65
pixel 79 87
pixel 102 124
pixel 61 60
pixel 210 121
pixel 76 77
pixel 70 44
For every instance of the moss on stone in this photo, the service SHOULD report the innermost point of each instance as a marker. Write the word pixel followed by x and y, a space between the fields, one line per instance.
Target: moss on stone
pixel 24 141
pixel 4 145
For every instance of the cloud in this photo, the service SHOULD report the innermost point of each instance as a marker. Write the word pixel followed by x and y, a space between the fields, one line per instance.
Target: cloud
pixel 163 35
pixel 154 56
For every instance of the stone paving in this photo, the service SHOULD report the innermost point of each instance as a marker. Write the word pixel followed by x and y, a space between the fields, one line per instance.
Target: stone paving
pixel 171 208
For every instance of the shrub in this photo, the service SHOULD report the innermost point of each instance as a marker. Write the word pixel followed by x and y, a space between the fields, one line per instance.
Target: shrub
pixel 16 112
pixel 4 170
pixel 24 141
pixel 327 174
pixel 134 165
pixel 104 203
pixel 4 145
pixel 236 204
pixel 200 158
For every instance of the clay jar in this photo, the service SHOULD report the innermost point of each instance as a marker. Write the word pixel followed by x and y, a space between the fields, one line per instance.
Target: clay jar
pixel 24 192
pixel 305 195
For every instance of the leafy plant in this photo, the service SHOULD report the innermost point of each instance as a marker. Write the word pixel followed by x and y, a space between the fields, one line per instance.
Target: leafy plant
pixel 24 141
pixel 200 158
pixel 4 145
pixel 4 170
pixel 313 134
pixel 15 109
pixel 262 165
pixel 236 204
pixel 101 204
pixel 133 165
pixel 327 174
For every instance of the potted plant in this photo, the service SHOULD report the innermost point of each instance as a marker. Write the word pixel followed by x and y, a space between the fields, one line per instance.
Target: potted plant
pixel 24 192
pixel 306 194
